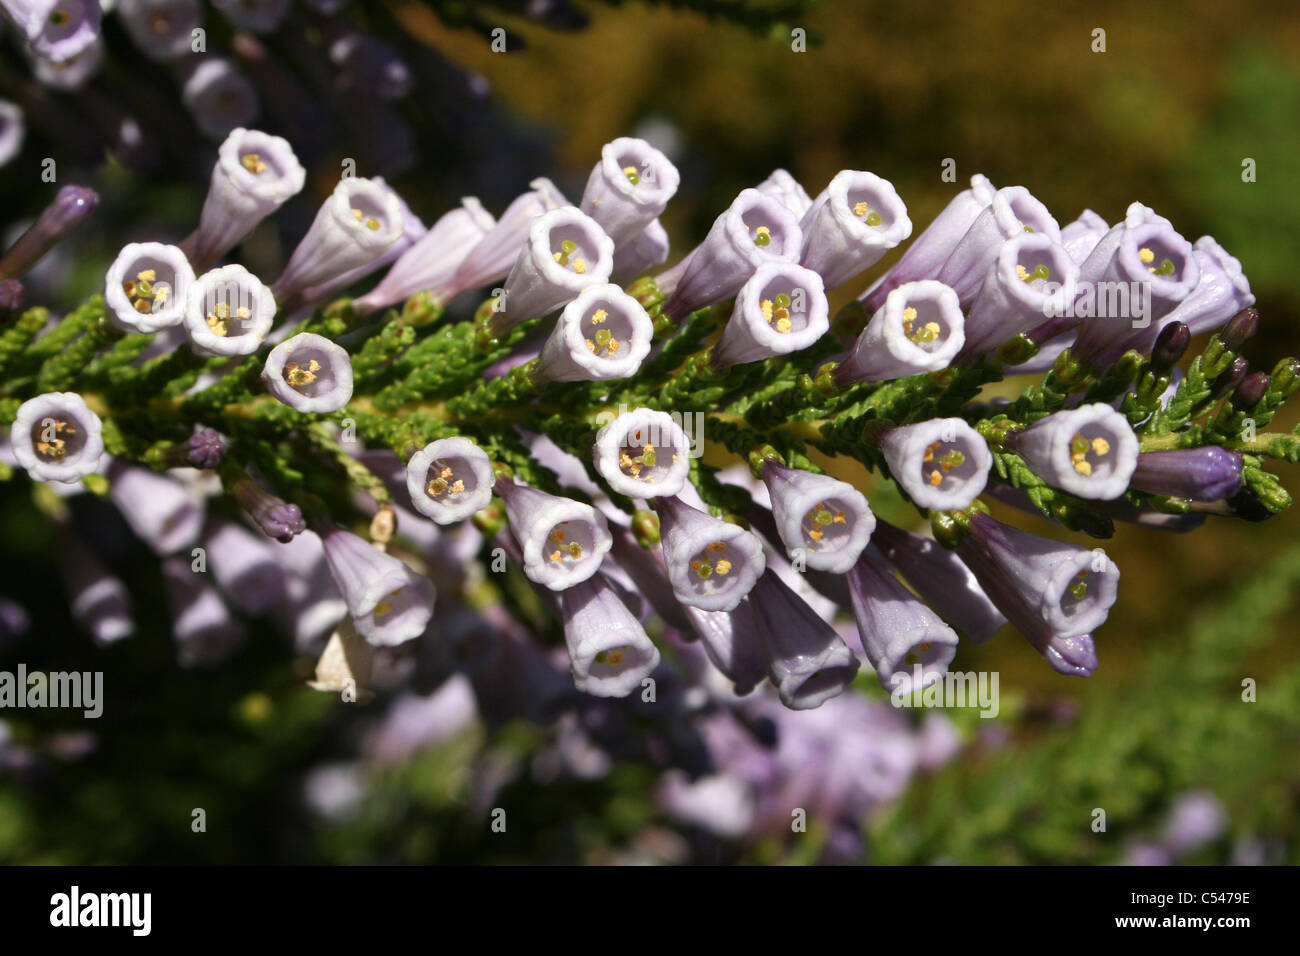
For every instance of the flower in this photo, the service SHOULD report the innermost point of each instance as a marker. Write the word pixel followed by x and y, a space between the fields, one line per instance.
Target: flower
pixel 1081 236
pixel 920 328
pixel 825 520
pixel 1195 819
pixel 254 175
pixel 147 287
pixel 13 131
pixel 603 334
pixel 780 309
pixel 490 259
pixel 203 628
pixel 1200 474
pixel 608 648
pixel 903 638
pixel 228 312
pixel 220 98
pixel 369 65
pixel 449 479
pixel 56 29
pixel 309 373
pixel 389 603
pixel 942 463
pixel 628 188
pixel 930 250
pixel 642 252
pixel 712 564
pixel 276 518
pixel 941 579
pixel 563 541
pixel 1011 212
pixel 643 454
pixel 354 227
pixel 205 448
pixel 244 567
pixel 851 225
pixel 566 252
pixel 1089 451
pixel 97 600
pixel 1054 593
pixel 72 205
pixel 1221 291
pixel 1031 280
pixel 731 642
pixel 753 230
pixel 56 437
pixel 162 511
pixel 785 189
pixel 72 74
pixel 432 260
pixel 161 29
pixel 806 659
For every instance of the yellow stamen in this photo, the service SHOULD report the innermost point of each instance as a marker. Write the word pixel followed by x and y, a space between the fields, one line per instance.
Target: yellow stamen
pixel 253 163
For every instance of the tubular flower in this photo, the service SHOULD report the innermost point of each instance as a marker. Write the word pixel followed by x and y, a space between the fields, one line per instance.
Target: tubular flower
pixel 244 568
pixel 920 328
pixel 1089 451
pixel 56 29
pixel 228 312
pixel 220 98
pixel 1200 474
pixel 644 251
pixel 449 479
pixel 902 637
pixel 754 230
pixel 780 309
pixel 147 287
pixel 806 659
pixel 609 652
pixel 1222 290
pixel 161 510
pixel 161 29
pixel 389 603
pixel 1011 212
pixel 628 188
pixel 712 564
pixel 273 516
pixel 601 335
pixel 563 541
pixel 70 207
pixel 1081 236
pixel 731 641
pixel 826 521
pixel 643 454
pixel 13 131
pixel 851 225
pixel 204 630
pixel 55 437
pixel 786 190
pixel 942 464
pixel 97 600
pixel 309 373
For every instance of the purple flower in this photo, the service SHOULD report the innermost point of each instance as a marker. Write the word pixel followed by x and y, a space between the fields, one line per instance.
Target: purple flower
pixel 254 175
pixel 161 29
pixel 785 189
pixel 931 249
pixel 851 225
pixel 56 29
pixel 162 511
pixel 942 463
pixel 602 335
pixel 1196 819
pixel 244 567
pixel 72 205
pixel 920 328
pixel 1089 451
pixel 1031 280
pixel 628 188
pixel 754 230
pixel 941 579
pixel 906 642
pixel 1220 293
pixel 449 479
pixel 490 259
pixel 55 437
pixel 13 131
pixel 147 287
pixel 276 518
pixel 220 98
pixel 72 74
pixel 1201 474
pixel 780 309
pixel 369 65
pixel 309 373
pixel 642 252
pixel 228 312
pixel 259 16
pixel 389 603
pixel 643 454
pixel 1052 592
pixel 730 640
pixel 826 520
pixel 205 448
pixel 608 648
pixel 563 541
pixel 203 628
pixel 354 227
pixel 97 600
pixel 432 260
pixel 1012 212
pixel 566 252
pixel 806 659
pixel 1081 236
pixel 712 564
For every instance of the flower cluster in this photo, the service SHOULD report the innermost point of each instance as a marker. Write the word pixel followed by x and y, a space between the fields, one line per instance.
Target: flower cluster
pixel 338 466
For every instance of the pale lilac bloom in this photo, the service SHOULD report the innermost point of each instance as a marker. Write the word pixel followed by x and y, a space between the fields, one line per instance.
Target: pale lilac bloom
pixel 55 437
pixel 1196 818
pixel 1221 291
pixel 780 309
pixel 1011 212
pixel 644 251
pixel 97 600
pixel 72 74
pixel 643 454
pixel 920 328
pixel 229 312
pixel 942 463
pixel 563 541
pixel 219 97
pixel 161 29
pixel 449 479
pixel 56 29
pixel 731 641
pixel 602 335
pixel 416 722
pixel 147 287
pixel 1089 451
pixel 163 512
pixel 1031 280
pixel 309 373
pixel 851 225
pixel 629 187
pixel 786 190
pixel 71 206
pixel 204 630
pixel 389 603
pixel 1081 236
pixel 608 648
pixel 822 519
pixel 244 567
pixel 712 564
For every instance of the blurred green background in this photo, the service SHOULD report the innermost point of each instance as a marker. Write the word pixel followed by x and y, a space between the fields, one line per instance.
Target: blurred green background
pixel 1166 115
